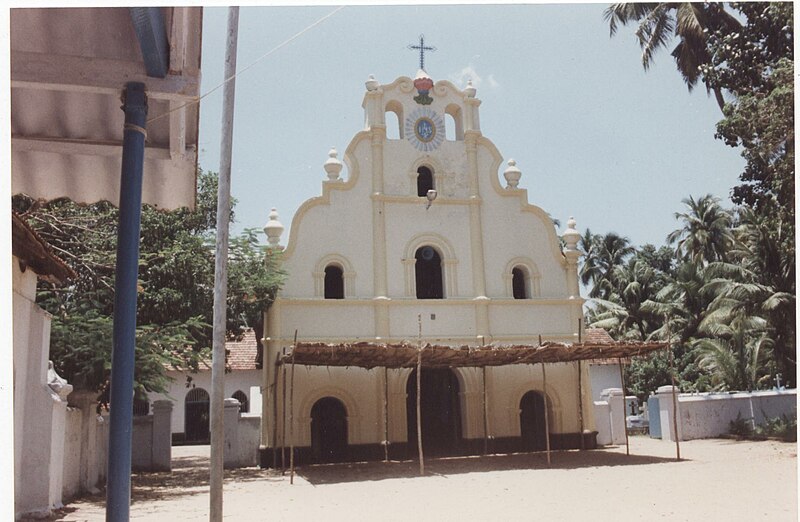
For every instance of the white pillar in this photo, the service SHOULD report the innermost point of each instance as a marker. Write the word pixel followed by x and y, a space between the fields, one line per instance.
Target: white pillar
pixel 665 412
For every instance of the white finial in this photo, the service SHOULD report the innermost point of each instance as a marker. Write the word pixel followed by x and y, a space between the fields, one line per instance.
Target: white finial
pixel 273 229
pixel 371 83
pixel 512 174
pixel 332 165
pixel 571 235
pixel 469 90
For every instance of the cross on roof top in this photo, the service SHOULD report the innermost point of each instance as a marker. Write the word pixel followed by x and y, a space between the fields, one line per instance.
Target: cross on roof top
pixel 422 48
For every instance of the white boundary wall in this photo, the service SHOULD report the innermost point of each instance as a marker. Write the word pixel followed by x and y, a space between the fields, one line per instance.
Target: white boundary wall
pixel 710 414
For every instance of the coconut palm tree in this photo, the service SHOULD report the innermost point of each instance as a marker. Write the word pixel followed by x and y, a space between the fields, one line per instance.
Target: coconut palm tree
pixel 605 253
pixel 706 234
pixel 737 351
pixel 623 316
pixel 689 22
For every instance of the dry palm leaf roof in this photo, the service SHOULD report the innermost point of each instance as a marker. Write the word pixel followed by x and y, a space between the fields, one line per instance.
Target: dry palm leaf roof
pixel 404 355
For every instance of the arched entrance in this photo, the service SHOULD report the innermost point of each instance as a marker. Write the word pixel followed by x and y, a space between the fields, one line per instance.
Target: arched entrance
pixel 441 412
pixel 428 268
pixel 196 416
pixel 532 422
pixel 328 430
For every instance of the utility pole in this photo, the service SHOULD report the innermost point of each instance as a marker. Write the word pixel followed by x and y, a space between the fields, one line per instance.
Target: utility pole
pixel 221 272
pixel 118 490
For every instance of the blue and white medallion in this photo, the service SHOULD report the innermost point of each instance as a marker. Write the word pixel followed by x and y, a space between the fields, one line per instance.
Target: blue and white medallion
pixel 424 128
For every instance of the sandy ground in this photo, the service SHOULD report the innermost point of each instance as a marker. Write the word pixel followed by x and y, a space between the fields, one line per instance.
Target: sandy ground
pixel 716 480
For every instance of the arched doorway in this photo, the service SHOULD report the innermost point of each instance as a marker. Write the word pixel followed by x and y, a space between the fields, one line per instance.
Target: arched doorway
pixel 532 422
pixel 196 416
pixel 428 268
pixel 440 409
pixel 328 430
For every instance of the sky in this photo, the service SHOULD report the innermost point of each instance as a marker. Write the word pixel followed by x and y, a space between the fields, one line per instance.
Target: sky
pixel 596 136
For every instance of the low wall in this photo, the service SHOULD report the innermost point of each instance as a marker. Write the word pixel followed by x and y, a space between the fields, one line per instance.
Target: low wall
pixel 707 415
pixel 242 436
pixel 152 439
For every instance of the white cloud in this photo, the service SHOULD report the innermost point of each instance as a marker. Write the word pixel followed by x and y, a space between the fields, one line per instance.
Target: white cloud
pixel 461 77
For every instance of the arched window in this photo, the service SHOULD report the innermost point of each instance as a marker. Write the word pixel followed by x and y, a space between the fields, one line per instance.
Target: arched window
pixel 454 129
pixel 334 282
pixel 244 405
pixel 519 283
pixel 424 181
pixel 428 268
pixel 393 118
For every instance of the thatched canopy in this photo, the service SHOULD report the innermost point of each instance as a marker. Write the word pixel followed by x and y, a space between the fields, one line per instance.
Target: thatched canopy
pixel 404 355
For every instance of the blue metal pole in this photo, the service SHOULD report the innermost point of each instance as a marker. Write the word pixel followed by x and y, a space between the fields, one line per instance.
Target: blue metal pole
pixel 118 493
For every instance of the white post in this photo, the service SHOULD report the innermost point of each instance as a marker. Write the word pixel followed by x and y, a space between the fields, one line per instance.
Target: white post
pixel 221 274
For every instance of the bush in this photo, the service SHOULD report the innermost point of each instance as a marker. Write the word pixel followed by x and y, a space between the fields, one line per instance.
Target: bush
pixel 783 427
pixel 740 427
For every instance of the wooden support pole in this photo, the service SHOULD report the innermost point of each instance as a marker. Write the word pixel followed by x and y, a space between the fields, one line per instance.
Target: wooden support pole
pixel 419 393
pixel 291 415
pixel 274 390
pixel 624 407
pixel 485 416
pixel 386 414
pixel 546 416
pixel 580 402
pixel 283 416
pixel 674 397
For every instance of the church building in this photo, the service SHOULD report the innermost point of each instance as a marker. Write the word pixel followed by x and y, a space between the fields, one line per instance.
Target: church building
pixel 427 239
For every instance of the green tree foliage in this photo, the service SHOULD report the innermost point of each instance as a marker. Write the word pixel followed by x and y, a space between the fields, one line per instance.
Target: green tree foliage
pixel 687 22
pixel 706 234
pixel 731 298
pixel 176 281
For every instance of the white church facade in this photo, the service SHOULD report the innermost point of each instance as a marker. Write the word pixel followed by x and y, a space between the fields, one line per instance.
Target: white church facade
pixel 423 240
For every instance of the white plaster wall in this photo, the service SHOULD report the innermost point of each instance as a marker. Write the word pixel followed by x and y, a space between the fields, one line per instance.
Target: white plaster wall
pixel 603 376
pixel 327 319
pixel 72 454
pixel 39 413
pixel 248 439
pixel 242 380
pixel 710 415
pixel 328 225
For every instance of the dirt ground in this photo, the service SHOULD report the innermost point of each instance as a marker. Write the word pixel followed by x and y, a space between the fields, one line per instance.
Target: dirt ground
pixel 716 480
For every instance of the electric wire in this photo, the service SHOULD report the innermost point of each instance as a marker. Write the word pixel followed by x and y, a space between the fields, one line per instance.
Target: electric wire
pixel 268 53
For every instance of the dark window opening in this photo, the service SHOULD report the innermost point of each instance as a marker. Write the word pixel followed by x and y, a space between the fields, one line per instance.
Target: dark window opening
pixel 428 269
pixel 334 282
pixel 424 181
pixel 244 406
pixel 518 283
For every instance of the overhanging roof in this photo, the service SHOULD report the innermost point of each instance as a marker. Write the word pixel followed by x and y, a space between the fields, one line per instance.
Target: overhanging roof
pixel 35 252
pixel 69 67
pixel 404 355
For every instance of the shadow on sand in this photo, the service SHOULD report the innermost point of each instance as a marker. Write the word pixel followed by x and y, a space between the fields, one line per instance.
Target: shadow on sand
pixel 318 474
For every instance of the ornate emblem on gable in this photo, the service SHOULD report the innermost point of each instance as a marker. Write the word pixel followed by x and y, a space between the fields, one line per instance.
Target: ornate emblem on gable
pixel 424 128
